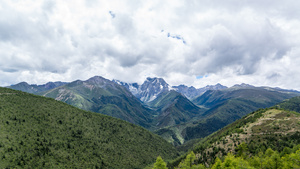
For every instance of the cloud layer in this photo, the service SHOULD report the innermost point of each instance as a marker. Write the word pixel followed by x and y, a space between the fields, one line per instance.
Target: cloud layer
pixel 223 42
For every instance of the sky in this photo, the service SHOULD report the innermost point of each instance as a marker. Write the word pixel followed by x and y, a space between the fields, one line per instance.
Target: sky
pixel 191 42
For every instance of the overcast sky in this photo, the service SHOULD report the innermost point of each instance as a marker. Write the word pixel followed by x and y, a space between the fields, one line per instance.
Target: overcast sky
pixel 192 42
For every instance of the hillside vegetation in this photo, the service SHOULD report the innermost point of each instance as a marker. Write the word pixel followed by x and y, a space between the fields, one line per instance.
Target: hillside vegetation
pixel 273 128
pixel 39 132
pixel 292 104
pixel 224 107
pixel 269 159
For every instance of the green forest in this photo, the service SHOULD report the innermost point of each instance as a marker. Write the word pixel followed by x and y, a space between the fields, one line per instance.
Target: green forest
pixel 40 132
pixel 270 159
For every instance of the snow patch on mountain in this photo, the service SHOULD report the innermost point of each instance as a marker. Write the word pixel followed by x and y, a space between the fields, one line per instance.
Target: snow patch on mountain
pixel 153 87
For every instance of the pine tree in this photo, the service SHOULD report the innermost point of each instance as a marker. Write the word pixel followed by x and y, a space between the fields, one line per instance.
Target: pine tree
pixel 160 164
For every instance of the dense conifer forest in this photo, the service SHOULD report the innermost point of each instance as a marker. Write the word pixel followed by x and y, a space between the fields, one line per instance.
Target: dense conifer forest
pixel 39 132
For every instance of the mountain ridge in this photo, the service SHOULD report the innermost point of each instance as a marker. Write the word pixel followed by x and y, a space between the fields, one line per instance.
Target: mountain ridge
pixel 34 89
pixel 224 107
pixel 103 96
pixel 152 87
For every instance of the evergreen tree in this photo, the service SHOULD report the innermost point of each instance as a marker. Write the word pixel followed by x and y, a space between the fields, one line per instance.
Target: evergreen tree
pixel 218 164
pixel 160 164
pixel 242 150
pixel 189 160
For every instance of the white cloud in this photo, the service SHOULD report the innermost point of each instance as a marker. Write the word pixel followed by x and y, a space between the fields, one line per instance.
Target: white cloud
pixel 231 42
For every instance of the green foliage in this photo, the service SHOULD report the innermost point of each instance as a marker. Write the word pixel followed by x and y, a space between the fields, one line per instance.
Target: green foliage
pixel 40 132
pixel 270 160
pixel 160 164
pixel 242 150
pixel 188 162
pixel 292 104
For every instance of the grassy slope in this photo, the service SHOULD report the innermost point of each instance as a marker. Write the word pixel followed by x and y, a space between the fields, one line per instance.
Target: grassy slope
pixel 265 128
pixel 39 132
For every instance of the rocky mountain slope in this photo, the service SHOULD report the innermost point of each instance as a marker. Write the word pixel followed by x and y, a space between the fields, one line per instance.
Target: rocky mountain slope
pixel 149 90
pixel 192 92
pixel 152 87
pixel 100 95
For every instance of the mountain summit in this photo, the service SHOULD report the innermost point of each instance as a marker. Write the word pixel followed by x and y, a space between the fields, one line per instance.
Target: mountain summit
pixel 151 88
pixel 101 95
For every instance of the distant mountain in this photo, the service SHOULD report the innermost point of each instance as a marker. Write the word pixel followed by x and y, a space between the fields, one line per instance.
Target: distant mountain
pixel 171 106
pixel 192 92
pixel 152 87
pixel 242 85
pixel 132 87
pixel 174 108
pixel 166 107
pixel 100 95
pixel 189 92
pixel 40 132
pixel 223 107
pixel 25 87
pixel 273 128
pixel 149 90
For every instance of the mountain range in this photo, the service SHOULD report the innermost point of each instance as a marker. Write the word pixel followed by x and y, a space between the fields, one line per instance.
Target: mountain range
pixel 177 113
pixel 44 132
pixel 152 87
pixel 101 95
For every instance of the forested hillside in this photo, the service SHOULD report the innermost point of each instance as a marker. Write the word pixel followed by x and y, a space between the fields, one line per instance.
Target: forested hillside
pixel 39 132
pixel 292 104
pixel 273 128
pixel 269 159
